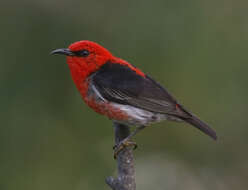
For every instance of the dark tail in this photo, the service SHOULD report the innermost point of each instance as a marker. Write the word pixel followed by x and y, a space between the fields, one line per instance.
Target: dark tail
pixel 202 126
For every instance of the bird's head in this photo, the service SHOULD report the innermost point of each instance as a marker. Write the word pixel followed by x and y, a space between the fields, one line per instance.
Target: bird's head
pixel 84 58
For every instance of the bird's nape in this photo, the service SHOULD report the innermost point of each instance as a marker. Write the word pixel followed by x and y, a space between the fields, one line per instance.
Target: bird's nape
pixel 115 88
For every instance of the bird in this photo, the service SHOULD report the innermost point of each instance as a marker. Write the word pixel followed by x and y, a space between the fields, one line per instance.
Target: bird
pixel 117 89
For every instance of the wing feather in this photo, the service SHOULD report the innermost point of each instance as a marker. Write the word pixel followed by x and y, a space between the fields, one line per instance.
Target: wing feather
pixel 120 84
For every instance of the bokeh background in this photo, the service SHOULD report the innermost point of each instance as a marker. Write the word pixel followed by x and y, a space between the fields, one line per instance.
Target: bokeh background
pixel 50 140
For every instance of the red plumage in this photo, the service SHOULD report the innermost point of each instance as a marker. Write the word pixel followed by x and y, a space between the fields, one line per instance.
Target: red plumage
pixel 120 91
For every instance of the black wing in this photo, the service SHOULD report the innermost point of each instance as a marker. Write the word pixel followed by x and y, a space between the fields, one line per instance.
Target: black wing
pixel 120 84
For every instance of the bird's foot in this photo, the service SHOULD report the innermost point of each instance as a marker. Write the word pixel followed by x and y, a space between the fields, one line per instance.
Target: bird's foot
pixel 123 144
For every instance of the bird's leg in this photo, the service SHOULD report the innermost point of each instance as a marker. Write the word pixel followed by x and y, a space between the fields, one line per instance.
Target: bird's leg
pixel 127 141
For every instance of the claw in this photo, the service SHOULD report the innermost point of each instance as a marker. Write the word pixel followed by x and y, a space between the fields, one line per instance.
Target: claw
pixel 125 143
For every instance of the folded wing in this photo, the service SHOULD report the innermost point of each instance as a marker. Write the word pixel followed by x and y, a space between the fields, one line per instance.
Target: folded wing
pixel 118 83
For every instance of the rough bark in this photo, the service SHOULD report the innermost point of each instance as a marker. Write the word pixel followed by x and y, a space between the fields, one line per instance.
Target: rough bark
pixel 125 162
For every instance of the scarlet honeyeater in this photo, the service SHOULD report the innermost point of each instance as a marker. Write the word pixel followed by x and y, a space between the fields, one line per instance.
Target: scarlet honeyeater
pixel 115 88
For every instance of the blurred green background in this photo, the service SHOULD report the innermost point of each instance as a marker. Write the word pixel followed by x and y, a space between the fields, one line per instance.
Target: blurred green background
pixel 50 140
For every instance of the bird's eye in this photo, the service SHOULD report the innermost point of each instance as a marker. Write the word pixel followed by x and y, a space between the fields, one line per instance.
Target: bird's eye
pixel 82 53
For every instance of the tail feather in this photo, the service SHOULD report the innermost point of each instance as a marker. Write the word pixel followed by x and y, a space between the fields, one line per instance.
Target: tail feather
pixel 201 126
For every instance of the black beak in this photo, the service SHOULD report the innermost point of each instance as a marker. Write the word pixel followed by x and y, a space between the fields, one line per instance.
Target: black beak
pixel 62 51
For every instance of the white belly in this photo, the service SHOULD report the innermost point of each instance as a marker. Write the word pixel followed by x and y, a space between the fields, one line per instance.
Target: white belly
pixel 139 116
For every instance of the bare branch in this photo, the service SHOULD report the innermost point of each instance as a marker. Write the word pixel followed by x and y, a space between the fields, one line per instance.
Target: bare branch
pixel 125 161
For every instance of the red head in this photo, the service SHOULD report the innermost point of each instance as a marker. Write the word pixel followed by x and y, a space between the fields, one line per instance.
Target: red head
pixel 84 58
